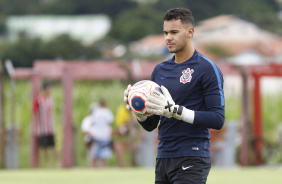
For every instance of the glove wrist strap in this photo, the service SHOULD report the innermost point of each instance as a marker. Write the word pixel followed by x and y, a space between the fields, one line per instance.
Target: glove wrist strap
pixel 178 110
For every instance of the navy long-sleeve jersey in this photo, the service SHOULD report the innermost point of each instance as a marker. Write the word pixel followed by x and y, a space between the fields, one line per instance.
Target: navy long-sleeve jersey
pixel 196 84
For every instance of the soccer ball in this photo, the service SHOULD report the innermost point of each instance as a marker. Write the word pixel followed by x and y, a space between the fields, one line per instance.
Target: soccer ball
pixel 138 95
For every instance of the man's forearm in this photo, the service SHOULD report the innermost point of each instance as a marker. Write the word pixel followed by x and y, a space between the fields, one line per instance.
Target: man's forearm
pixel 150 123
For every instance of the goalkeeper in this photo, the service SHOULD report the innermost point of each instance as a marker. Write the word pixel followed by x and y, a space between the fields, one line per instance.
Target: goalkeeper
pixel 191 102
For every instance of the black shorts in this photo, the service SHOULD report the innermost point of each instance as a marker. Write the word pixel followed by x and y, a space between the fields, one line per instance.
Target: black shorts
pixel 46 140
pixel 182 170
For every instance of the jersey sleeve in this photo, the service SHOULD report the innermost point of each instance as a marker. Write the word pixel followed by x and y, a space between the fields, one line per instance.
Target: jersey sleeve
pixel 212 88
pixel 154 73
pixel 86 123
pixel 35 107
pixel 151 122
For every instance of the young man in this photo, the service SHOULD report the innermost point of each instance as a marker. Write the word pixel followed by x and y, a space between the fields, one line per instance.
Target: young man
pixel 86 125
pixel 101 132
pixel 43 110
pixel 191 102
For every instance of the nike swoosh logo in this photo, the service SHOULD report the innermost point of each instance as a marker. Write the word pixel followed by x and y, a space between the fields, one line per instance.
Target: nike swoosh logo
pixel 163 77
pixel 185 168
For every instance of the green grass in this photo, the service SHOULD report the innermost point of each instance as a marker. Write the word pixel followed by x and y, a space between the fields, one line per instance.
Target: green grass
pixel 251 175
pixel 259 175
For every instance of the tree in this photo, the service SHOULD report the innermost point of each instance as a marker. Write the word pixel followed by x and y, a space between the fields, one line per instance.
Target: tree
pixel 261 12
pixel 26 50
pixel 21 52
pixel 65 7
pixel 109 7
pixel 17 7
pixel 136 23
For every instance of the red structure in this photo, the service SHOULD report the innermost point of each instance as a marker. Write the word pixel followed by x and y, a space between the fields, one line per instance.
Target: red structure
pixel 256 72
pixel 68 71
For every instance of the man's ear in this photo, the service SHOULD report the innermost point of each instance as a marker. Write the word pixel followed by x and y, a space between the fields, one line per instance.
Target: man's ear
pixel 190 32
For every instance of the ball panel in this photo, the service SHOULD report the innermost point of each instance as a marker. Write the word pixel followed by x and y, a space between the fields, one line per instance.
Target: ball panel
pixel 138 103
pixel 158 89
pixel 140 82
pixel 148 114
pixel 141 85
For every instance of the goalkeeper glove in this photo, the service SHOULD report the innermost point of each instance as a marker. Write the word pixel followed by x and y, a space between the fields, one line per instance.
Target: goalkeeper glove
pixel 163 105
pixel 125 97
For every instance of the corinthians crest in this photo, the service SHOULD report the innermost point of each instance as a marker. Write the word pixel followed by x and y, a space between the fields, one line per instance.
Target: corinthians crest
pixel 186 75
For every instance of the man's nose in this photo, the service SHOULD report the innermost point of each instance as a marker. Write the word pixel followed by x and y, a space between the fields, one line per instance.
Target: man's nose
pixel 168 37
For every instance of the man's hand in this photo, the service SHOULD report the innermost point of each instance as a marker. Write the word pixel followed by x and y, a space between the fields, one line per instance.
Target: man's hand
pixel 125 97
pixel 161 103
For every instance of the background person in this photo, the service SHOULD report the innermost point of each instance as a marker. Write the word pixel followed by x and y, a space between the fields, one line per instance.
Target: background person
pixel 130 136
pixel 101 132
pixel 43 111
pixel 86 129
pixel 123 118
pixel 121 144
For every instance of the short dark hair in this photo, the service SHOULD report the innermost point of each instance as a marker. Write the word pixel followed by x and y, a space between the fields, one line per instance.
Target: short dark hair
pixel 103 102
pixel 183 14
pixel 46 84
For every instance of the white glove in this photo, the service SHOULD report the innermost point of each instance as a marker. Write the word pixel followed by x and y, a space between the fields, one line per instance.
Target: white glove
pixel 163 105
pixel 160 104
pixel 125 99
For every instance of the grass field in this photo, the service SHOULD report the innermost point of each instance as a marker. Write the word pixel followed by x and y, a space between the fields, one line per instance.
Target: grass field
pixel 255 175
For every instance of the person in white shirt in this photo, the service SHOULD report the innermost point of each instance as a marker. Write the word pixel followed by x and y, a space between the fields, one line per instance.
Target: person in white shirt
pixel 86 129
pixel 101 133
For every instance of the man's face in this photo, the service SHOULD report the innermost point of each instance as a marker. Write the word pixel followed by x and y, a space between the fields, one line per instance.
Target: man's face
pixel 176 35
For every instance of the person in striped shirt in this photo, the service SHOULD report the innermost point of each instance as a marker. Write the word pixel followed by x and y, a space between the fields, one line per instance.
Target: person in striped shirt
pixel 43 111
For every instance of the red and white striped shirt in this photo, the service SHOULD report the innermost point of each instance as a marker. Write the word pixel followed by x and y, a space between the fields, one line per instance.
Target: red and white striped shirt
pixel 43 107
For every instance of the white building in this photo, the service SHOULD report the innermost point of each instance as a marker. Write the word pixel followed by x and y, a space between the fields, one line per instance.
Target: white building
pixel 229 29
pixel 150 45
pixel 86 28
